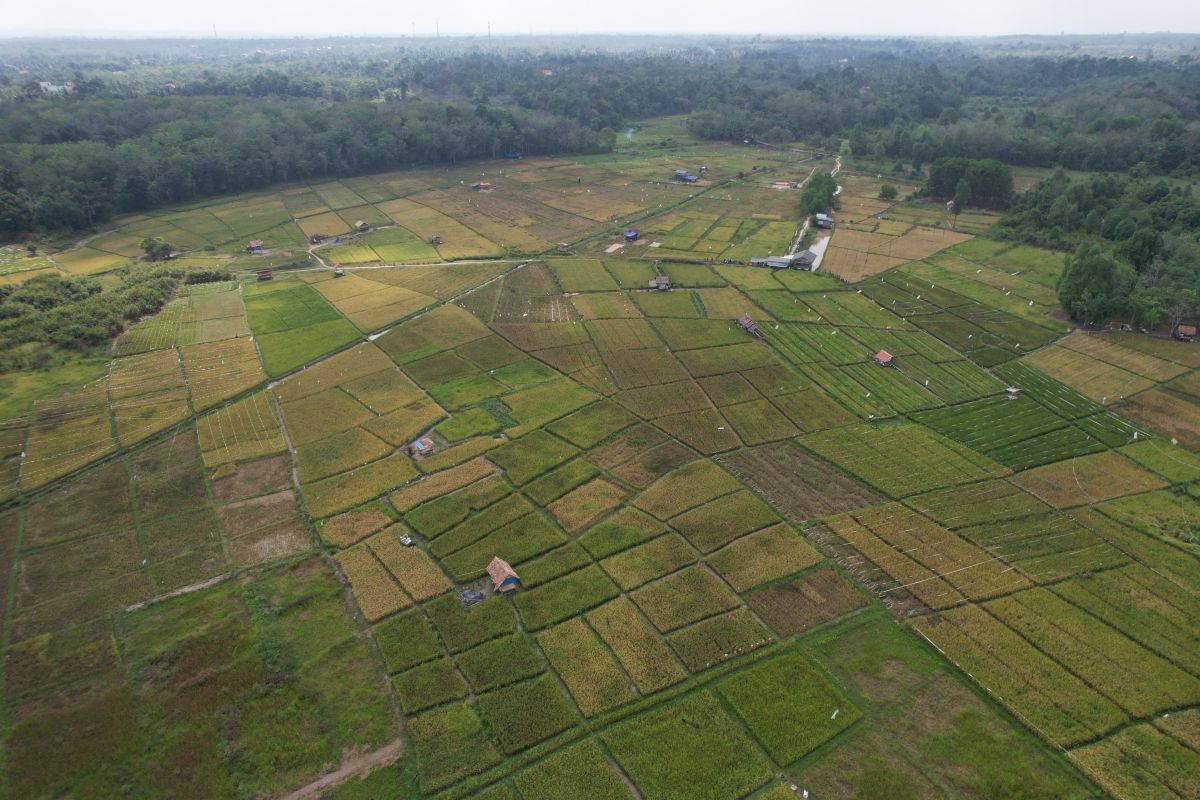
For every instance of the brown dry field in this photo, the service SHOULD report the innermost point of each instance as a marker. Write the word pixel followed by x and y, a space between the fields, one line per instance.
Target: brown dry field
pixel 854 265
pixel 253 478
pixel 806 602
pixel 798 485
pixel 1167 414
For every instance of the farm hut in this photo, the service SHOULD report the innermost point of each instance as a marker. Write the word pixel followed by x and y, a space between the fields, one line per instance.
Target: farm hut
pixel 564 247
pixel 679 173
pixel 1185 333
pixel 749 326
pixel 255 246
pixel 361 226
pixel 482 186
pixel 758 262
pixel 780 262
pixel 805 260
pixel 264 275
pixel 884 359
pixel 504 579
pixel 421 447
pixel 317 238
pixel 660 283
pixel 1012 392
pixel 338 272
pixel 632 235
pixel 824 221
pixel 435 240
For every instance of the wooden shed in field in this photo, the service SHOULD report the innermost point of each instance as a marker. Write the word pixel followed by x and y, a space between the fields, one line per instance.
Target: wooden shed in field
pixel 883 358
pixel 749 326
pixel 504 578
pixel 1184 333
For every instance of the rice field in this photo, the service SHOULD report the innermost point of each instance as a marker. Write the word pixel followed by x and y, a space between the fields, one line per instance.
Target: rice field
pixel 709 531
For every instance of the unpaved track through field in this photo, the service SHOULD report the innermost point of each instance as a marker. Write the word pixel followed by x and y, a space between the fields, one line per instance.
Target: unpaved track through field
pixel 358 765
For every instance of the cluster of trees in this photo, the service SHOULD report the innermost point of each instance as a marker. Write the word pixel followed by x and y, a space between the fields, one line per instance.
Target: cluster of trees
pixel 818 193
pixel 970 182
pixel 1136 242
pixel 49 313
pixel 152 123
pixel 913 106
pixel 77 164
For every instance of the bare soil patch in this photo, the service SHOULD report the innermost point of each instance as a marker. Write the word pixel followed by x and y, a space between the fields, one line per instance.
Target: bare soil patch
pixel 253 478
pixel 808 601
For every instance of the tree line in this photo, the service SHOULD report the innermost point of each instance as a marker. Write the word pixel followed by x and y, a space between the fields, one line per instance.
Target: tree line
pixel 79 164
pixel 174 124
pixel 1136 243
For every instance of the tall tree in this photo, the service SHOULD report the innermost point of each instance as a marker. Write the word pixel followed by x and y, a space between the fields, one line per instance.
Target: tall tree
pixel 1095 287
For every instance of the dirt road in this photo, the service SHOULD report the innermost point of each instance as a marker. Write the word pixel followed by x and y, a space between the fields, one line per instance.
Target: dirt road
pixel 358 765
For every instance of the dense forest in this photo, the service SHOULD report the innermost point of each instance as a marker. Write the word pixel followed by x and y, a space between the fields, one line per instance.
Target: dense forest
pixel 174 123
pixel 1137 244
pixel 77 164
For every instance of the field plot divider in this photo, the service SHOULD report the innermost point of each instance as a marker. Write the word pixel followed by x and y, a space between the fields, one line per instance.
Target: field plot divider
pixel 995 700
pixel 1066 670
pixel 7 623
pixel 608 648
pixel 318 546
pixel 1126 553
pixel 1148 647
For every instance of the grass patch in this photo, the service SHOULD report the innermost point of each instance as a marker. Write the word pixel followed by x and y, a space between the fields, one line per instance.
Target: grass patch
pixel 526 713
pixel 718 639
pixel 406 640
pixel 649 662
pixel 685 488
pixel 591 674
pixel 683 598
pixel 564 597
pixel 449 744
pixel 788 706
pixel 690 750
pixel 429 685
pixel 463 628
pixel 578 772
pixel 500 662
pixel 762 557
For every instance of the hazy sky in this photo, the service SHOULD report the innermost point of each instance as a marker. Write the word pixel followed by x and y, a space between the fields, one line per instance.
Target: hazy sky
pixel 321 17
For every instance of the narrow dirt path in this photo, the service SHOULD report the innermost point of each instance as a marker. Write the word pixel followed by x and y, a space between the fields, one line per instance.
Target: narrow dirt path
pixel 350 768
pixel 195 587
